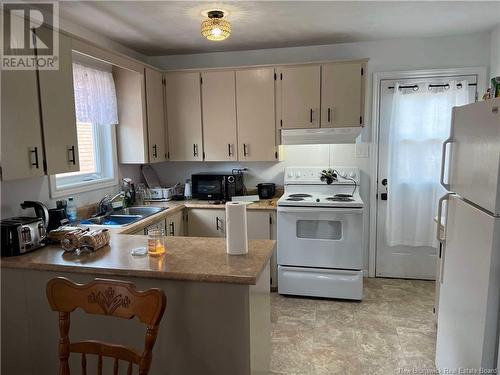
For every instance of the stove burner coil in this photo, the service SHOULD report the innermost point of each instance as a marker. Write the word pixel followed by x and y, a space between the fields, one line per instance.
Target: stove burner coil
pixel 295 199
pixel 300 195
pixel 340 199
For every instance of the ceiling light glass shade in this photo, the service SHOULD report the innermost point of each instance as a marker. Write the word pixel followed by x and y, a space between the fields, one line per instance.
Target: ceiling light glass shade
pixel 215 29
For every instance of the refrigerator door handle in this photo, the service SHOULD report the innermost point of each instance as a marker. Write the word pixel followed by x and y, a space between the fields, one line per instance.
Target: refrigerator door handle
pixel 445 197
pixel 443 162
pixel 439 216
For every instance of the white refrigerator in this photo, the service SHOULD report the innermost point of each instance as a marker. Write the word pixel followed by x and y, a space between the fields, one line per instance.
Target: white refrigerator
pixel 469 308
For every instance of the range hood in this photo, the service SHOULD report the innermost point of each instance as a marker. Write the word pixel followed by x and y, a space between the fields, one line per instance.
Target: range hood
pixel 320 136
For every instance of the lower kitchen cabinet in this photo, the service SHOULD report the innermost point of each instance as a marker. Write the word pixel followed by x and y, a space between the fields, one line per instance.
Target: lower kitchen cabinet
pixel 206 222
pixel 175 224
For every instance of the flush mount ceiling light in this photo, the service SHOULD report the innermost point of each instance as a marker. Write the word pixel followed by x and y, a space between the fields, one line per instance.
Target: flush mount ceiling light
pixel 215 28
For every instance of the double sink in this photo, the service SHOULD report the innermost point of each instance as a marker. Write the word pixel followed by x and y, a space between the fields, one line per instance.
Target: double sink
pixel 123 216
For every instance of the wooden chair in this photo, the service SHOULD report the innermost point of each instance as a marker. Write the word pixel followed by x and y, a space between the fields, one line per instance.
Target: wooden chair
pixel 106 297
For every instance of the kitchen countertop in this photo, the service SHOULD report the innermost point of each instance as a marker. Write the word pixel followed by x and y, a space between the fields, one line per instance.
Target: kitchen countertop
pixel 176 206
pixel 187 259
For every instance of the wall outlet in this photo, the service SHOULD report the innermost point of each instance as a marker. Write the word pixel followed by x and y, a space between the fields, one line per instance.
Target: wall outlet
pixel 362 150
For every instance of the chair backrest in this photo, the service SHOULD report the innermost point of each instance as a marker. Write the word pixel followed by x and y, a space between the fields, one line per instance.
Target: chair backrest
pixel 106 297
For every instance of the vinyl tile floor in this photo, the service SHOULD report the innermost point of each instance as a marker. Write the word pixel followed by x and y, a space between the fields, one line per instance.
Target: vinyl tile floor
pixel 392 331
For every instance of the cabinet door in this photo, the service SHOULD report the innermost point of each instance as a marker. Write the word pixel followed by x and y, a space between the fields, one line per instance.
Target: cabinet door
pixel 184 116
pixel 155 116
pixel 57 98
pixel 161 224
pixel 258 225
pixel 300 96
pixel 342 95
pixel 132 131
pixel 22 152
pixel 175 225
pixel 219 116
pixel 256 114
pixel 206 222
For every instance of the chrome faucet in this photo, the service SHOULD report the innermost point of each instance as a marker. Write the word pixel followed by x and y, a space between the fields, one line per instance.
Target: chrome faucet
pixel 105 205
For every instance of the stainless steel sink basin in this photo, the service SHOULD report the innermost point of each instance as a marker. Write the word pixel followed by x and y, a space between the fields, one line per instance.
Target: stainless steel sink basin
pixel 123 216
pixel 113 220
pixel 139 210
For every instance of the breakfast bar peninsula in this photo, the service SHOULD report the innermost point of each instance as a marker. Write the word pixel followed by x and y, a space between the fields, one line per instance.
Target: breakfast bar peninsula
pixel 217 319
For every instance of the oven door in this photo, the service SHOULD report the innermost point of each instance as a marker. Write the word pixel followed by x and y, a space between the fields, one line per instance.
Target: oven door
pixel 320 237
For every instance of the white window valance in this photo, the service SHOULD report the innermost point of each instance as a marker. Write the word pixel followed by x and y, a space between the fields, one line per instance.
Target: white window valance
pixel 95 96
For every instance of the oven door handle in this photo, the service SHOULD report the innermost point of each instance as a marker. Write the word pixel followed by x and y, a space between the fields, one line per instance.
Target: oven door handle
pixel 314 210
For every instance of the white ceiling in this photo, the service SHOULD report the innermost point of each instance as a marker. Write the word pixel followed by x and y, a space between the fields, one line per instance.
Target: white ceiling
pixel 172 27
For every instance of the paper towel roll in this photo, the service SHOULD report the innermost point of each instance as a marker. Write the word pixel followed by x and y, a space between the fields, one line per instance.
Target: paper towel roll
pixel 236 228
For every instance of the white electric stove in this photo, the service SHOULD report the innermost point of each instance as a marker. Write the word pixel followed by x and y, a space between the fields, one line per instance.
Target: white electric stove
pixel 320 234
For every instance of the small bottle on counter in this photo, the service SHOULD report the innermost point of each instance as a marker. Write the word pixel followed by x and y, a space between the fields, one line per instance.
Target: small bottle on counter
pixel 156 242
pixel 187 189
pixel 71 210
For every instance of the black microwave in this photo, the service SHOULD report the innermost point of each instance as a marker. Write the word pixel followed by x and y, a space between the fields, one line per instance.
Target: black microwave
pixel 217 186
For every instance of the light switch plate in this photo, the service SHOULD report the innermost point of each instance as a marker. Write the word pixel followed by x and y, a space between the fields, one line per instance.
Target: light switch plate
pixel 362 150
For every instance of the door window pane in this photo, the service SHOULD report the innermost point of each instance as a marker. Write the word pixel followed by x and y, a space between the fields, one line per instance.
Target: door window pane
pixel 319 229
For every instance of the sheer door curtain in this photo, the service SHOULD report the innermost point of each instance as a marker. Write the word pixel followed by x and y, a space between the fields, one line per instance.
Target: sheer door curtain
pixel 420 122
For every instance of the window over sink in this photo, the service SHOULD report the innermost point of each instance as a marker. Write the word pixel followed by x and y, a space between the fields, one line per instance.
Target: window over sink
pixel 96 115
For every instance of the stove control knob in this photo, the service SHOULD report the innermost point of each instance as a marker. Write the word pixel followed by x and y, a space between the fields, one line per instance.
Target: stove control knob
pixel 290 174
pixel 343 174
pixel 297 174
pixel 352 174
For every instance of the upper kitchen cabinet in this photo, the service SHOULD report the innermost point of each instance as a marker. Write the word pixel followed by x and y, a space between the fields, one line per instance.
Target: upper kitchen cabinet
pixel 155 115
pixel 298 96
pixel 342 94
pixel 22 152
pixel 255 109
pixel 219 115
pixel 132 133
pixel 184 116
pixel 57 101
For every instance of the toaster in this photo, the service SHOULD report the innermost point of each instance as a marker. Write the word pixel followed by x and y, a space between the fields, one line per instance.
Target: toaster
pixel 19 235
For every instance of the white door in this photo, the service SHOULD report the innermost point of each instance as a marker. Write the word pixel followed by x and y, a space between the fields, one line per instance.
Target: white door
pixel 218 99
pixel 470 288
pixel 398 260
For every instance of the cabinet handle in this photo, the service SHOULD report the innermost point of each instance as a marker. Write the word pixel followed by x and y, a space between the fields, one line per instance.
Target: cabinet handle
pixel 172 228
pixel 195 149
pixel 245 152
pixel 229 151
pixel 155 151
pixel 329 115
pixel 217 226
pixel 311 116
pixel 72 160
pixel 35 164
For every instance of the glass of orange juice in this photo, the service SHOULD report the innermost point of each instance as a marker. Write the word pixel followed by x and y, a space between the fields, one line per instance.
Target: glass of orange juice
pixel 156 242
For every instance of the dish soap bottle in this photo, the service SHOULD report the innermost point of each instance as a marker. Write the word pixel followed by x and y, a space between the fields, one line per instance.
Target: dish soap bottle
pixel 71 210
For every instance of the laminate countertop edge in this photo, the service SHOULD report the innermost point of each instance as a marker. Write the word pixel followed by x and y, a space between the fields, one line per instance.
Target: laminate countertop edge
pixel 195 259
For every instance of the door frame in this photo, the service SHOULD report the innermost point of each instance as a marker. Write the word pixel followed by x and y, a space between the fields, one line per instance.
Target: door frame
pixel 482 79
